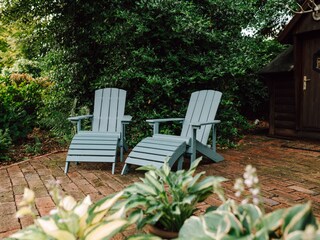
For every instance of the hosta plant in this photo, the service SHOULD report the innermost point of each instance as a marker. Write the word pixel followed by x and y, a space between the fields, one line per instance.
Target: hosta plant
pixel 247 219
pixel 72 220
pixel 165 198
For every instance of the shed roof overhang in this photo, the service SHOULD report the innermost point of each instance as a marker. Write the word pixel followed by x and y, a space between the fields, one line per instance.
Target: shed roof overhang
pixel 283 63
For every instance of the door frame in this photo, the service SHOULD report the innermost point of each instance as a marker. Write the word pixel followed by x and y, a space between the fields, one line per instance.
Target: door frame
pixel 299 74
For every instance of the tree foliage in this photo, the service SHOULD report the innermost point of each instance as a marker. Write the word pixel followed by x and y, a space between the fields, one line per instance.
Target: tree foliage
pixel 158 50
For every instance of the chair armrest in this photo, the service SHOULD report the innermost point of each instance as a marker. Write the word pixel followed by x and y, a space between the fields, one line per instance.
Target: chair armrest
pixel 160 120
pixel 126 119
pixel 156 122
pixel 77 118
pixel 199 124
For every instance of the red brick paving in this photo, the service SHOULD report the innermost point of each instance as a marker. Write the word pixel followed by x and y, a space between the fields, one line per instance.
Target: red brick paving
pixel 288 176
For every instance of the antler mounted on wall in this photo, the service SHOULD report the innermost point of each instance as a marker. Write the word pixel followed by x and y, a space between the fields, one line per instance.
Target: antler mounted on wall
pixel 314 9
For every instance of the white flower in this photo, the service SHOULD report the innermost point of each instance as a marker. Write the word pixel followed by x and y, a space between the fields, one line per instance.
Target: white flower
pixel 246 175
pixel 248 168
pixel 248 182
pixel 255 201
pixel 244 201
pixel 255 191
pixel 239 185
pixel 238 194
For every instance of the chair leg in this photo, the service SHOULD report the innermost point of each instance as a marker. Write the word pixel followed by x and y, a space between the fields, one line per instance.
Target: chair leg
pixel 125 169
pixel 66 167
pixel 180 162
pixel 113 167
pixel 121 154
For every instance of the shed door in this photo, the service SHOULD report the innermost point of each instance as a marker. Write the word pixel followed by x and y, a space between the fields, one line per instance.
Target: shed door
pixel 310 82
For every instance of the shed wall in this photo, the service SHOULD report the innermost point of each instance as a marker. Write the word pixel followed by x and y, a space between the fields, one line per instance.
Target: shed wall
pixel 282 104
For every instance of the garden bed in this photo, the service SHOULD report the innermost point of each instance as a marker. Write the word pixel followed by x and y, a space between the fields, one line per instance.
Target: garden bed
pixel 37 143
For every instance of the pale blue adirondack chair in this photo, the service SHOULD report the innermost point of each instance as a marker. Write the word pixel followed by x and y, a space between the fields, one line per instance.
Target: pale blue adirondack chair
pixel 197 124
pixel 108 130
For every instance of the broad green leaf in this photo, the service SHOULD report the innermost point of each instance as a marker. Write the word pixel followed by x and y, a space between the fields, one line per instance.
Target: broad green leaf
pixel 206 183
pixel 297 218
pixel 143 237
pixel 189 199
pixel 107 204
pixel 117 215
pixel 68 203
pixel 250 214
pixel 30 233
pixel 236 226
pixel 83 207
pixel 217 222
pixel 145 189
pixel 165 168
pixel 194 165
pixel 147 168
pixel 154 182
pixel 296 235
pixel 262 234
pixel 101 208
pixel 62 235
pixel 272 221
pixel 105 230
pixel 28 197
pixel 194 179
pixel 193 228
pixel 27 210
pixel 47 225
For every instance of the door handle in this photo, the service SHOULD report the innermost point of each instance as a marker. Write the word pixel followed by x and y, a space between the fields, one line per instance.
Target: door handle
pixel 305 80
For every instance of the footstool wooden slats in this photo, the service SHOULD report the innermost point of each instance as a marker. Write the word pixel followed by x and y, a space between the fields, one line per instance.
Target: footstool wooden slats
pixel 154 151
pixel 89 147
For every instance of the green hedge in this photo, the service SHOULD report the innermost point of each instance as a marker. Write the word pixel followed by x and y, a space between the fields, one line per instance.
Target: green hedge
pixel 20 99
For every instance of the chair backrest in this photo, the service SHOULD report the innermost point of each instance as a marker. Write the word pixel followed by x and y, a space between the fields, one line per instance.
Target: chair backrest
pixel 203 106
pixel 109 104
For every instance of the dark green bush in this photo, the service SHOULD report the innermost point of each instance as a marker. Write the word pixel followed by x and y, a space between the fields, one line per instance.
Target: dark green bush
pixel 160 51
pixel 5 143
pixel 20 99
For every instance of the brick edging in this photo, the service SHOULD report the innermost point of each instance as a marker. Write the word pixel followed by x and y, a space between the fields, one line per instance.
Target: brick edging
pixel 32 158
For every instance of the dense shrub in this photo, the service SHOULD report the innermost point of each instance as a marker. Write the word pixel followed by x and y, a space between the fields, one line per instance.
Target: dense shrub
pixel 159 51
pixel 5 143
pixel 20 99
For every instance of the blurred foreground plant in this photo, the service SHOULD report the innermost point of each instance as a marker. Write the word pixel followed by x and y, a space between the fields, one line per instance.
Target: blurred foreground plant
pixel 74 220
pixel 248 220
pixel 166 199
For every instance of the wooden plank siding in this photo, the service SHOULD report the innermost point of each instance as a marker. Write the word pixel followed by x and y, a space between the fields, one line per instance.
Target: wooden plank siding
pixel 283 107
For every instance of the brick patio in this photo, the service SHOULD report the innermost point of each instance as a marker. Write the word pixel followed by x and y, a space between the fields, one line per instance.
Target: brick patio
pixel 288 175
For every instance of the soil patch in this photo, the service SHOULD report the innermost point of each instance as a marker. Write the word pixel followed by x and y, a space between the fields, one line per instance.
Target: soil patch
pixel 37 143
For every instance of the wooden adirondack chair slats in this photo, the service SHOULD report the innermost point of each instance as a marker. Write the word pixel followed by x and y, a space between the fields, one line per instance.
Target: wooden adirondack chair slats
pixel 104 159
pixel 155 152
pixel 108 110
pixel 100 144
pixel 202 109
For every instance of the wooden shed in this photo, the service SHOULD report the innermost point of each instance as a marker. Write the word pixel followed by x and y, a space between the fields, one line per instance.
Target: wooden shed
pixel 293 79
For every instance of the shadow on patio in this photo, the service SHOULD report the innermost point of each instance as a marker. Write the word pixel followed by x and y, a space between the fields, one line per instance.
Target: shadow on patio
pixel 289 172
